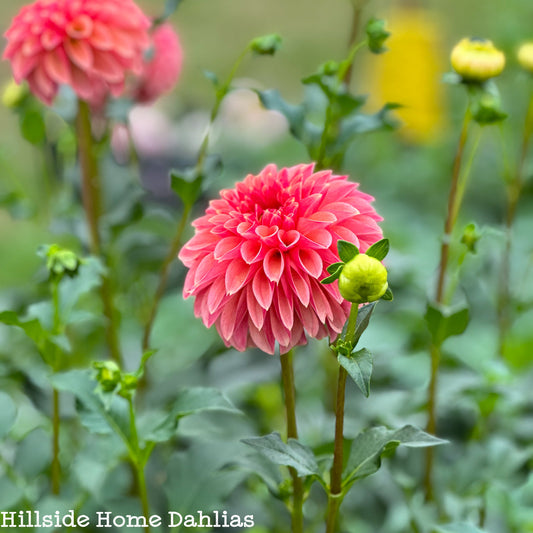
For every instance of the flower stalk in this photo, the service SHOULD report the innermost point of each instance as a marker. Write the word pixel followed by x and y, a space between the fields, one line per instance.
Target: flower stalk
pixel 289 391
pixel 91 198
pixel 336 495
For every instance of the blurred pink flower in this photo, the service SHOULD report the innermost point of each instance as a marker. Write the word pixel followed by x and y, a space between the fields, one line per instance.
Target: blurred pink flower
pixel 87 44
pixel 162 69
pixel 261 249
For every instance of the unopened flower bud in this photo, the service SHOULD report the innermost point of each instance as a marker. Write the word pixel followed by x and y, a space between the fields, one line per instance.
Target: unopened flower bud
pixel 107 374
pixel 266 45
pixel 525 56
pixel 477 60
pixel 60 260
pixel 14 94
pixel 363 279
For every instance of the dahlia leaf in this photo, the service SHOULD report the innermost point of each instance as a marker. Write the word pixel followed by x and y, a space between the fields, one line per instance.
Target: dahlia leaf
pixel 379 250
pixel 359 365
pixel 187 190
pixel 459 527
pixel 347 250
pixel 363 319
pixel 292 453
pixel 8 414
pixel 444 322
pixel 370 446
pixel 272 100
pixel 32 127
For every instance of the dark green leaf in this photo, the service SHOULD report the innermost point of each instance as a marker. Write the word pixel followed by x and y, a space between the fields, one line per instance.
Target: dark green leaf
pixel 8 414
pixel 84 387
pixel 292 453
pixel 370 446
pixel 187 190
pixel 379 250
pixel 363 319
pixel 388 296
pixel 377 35
pixel 444 322
pixel 334 275
pixel 347 250
pixel 170 7
pixel 34 454
pixel 334 267
pixel 359 365
pixel 32 127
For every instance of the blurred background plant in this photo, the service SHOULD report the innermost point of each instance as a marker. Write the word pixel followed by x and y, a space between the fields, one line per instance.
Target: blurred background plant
pixel 482 479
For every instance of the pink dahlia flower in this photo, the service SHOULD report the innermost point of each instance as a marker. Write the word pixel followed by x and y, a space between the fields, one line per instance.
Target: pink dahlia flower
pixel 162 68
pixel 87 44
pixel 261 249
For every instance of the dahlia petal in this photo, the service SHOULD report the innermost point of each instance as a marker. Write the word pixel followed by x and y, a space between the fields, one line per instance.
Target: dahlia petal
pixel 205 267
pixel 321 237
pixel 216 294
pixel 345 234
pixel 273 265
pixel 300 287
pixel 309 320
pixel 43 82
pixel 320 303
pixel 251 251
pixel 257 313
pixel 201 241
pixel 80 53
pixel 263 289
pixel 122 45
pixel 81 83
pixel 23 66
pixel 280 332
pixel 309 203
pixel 101 37
pixel 288 239
pixel 342 210
pixel 57 66
pixel 50 39
pixel 31 46
pixel 226 324
pixel 108 67
pixel 80 27
pixel 311 262
pixel 262 339
pixel 239 338
pixel 284 308
pixel 236 275
pixel 228 248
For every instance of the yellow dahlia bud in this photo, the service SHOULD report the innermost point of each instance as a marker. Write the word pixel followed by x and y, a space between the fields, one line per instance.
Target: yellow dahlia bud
pixel 363 279
pixel 477 59
pixel 13 94
pixel 525 56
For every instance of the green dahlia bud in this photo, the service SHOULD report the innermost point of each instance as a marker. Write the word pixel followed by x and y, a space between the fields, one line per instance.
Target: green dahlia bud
pixel 107 374
pixel 363 279
pixel 60 260
pixel 14 94
pixel 477 60
pixel 525 56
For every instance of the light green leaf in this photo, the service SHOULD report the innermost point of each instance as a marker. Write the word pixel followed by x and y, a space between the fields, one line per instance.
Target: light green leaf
pixel 368 448
pixel 444 322
pixel 187 188
pixel 347 250
pixel 359 365
pixel 292 453
pixel 10 494
pixel 8 414
pixel 379 250
pixel 295 115
pixel 459 527
pixel 34 454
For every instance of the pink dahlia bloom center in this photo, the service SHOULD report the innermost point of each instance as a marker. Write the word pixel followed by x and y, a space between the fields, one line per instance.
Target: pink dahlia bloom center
pixel 87 44
pixel 261 249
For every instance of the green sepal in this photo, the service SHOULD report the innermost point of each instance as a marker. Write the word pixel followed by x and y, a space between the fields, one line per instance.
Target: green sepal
pixel 379 250
pixel 388 296
pixel 347 250
pixel 335 270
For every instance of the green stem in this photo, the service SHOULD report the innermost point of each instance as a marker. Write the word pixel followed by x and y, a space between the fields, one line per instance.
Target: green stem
pixel 91 197
pixel 454 202
pixel 139 464
pixel 175 246
pixel 56 467
pixel 514 189
pixel 336 495
pixel 287 378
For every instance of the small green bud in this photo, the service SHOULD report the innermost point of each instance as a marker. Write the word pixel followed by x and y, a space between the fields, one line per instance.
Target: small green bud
pixel 60 260
pixel 486 105
pixel 363 279
pixel 14 94
pixel 107 374
pixel 477 60
pixel 525 56
pixel 129 382
pixel 377 35
pixel 266 45
pixel 471 237
pixel 329 68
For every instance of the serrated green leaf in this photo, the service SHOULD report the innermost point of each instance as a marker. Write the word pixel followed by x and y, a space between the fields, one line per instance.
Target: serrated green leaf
pixel 347 251
pixel 8 414
pixel 187 189
pixel 444 322
pixel 292 453
pixel 359 365
pixel 369 447
pixel 379 250
pixel 363 319
pixel 115 414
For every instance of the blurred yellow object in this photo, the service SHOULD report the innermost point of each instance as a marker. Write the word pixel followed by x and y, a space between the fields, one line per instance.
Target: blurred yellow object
pixel 410 73
pixel 525 56
pixel 477 59
pixel 13 94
